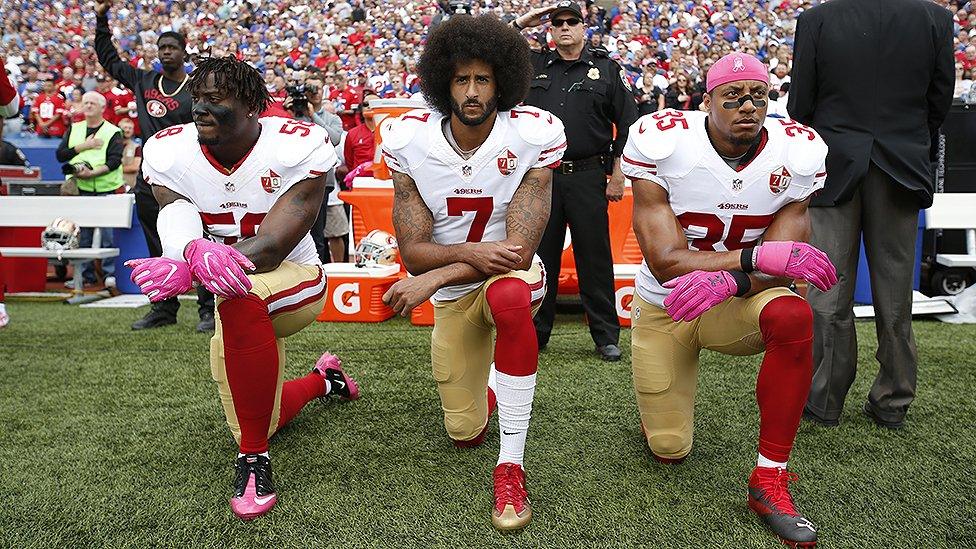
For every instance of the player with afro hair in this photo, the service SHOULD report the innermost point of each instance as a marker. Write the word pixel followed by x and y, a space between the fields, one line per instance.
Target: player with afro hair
pixel 464 38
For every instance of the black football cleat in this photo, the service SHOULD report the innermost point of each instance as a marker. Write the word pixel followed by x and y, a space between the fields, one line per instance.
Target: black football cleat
pixel 342 385
pixel 207 323
pixel 155 318
pixel 254 495
pixel 769 497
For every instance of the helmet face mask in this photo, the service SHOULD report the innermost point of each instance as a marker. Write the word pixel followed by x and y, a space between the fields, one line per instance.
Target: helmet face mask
pixel 62 234
pixel 376 248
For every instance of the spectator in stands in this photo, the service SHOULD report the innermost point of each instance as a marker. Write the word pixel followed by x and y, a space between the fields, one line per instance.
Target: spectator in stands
pixel 93 149
pixel 682 94
pixel 75 110
pixel 650 98
pixel 49 112
pixel 131 153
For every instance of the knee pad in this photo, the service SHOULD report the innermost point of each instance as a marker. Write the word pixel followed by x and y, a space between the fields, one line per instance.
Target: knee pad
pixel 462 426
pixel 786 320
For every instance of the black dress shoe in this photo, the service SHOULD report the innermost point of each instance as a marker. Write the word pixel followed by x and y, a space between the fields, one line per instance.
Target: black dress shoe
pixel 154 319
pixel 206 322
pixel 868 411
pixel 814 418
pixel 609 353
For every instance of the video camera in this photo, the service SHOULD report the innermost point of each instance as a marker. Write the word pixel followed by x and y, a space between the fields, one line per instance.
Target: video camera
pixel 299 101
pixel 70 169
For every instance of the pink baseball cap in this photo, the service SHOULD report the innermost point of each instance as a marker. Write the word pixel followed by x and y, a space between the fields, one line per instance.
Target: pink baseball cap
pixel 736 66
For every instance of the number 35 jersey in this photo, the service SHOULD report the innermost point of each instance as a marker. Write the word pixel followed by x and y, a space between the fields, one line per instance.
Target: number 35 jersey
pixel 469 198
pixel 721 208
pixel 233 202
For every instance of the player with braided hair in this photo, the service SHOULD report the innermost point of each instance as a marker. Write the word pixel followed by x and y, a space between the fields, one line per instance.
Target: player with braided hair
pixel 238 195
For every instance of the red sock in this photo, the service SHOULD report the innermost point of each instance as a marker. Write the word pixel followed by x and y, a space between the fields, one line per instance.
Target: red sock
pixel 516 345
pixel 295 394
pixel 251 361
pixel 785 374
pixel 3 281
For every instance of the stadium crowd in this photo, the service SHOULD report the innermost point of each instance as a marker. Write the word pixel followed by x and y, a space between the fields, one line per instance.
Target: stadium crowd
pixel 665 46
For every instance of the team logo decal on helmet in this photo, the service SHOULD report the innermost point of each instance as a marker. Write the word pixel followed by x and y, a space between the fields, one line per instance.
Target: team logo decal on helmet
pixel 376 248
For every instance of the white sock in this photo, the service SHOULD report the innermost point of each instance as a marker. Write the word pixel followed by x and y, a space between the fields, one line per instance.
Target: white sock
pixel 764 462
pixel 493 378
pixel 514 394
pixel 265 454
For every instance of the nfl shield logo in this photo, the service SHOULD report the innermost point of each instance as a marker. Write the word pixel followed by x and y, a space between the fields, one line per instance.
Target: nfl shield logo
pixel 507 162
pixel 271 181
pixel 779 181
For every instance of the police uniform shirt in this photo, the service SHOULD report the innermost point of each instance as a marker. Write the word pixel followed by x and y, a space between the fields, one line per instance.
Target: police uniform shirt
pixel 590 95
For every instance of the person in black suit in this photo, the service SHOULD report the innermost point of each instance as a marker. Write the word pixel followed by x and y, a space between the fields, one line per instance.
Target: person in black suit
pixel 875 79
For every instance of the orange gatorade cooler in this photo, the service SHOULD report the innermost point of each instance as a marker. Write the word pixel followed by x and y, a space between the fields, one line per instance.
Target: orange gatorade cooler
pixel 355 294
pixel 623 283
pixel 423 314
pixel 372 206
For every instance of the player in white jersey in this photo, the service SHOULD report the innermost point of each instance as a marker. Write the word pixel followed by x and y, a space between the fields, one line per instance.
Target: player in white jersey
pixel 472 179
pixel 720 212
pixel 237 196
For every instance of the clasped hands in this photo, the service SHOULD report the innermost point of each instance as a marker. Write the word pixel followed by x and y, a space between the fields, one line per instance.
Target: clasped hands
pixel 218 267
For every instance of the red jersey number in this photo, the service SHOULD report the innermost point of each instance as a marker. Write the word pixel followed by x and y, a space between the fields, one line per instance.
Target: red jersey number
pixel 715 229
pixel 670 119
pixel 172 130
pixel 246 227
pixel 291 127
pixel 482 207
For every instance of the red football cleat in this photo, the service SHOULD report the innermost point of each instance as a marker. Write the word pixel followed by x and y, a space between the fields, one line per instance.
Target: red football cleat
pixel 476 441
pixel 769 497
pixel 512 510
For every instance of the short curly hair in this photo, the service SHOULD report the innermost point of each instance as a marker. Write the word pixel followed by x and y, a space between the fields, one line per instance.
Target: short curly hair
pixel 485 38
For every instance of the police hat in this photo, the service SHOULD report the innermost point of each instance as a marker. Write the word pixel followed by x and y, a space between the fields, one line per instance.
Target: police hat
pixel 566 6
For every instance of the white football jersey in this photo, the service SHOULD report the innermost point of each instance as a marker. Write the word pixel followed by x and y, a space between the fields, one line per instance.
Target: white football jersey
pixel 721 208
pixel 233 202
pixel 469 198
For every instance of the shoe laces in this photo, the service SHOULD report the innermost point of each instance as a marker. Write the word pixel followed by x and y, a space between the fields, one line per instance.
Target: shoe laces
pixel 509 487
pixel 776 488
pixel 260 467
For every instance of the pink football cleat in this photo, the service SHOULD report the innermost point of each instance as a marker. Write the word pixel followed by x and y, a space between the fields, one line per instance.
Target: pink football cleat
pixel 330 367
pixel 254 495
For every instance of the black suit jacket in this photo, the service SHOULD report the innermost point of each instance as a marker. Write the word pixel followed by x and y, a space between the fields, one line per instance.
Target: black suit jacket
pixel 875 79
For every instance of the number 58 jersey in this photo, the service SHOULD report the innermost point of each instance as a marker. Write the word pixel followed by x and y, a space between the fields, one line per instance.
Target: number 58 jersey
pixel 721 208
pixel 233 202
pixel 469 198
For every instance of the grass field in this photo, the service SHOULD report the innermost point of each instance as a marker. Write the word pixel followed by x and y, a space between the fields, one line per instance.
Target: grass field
pixel 110 438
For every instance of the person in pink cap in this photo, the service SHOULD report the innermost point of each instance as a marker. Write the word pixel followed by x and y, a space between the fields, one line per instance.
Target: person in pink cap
pixel 720 212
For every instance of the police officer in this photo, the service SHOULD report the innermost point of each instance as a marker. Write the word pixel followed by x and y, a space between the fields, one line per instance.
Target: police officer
pixel 588 92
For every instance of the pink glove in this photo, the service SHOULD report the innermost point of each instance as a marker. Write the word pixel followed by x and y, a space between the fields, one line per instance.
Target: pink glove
pixel 356 172
pixel 796 260
pixel 218 267
pixel 160 277
pixel 696 292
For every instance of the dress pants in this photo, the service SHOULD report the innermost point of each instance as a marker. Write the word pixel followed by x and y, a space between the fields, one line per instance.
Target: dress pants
pixel 887 215
pixel 148 211
pixel 580 200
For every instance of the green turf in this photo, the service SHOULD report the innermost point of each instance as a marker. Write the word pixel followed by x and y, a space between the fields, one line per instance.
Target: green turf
pixel 110 438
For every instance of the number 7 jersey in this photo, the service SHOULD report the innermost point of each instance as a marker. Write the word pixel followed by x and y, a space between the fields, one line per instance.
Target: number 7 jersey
pixel 233 202
pixel 721 208
pixel 469 198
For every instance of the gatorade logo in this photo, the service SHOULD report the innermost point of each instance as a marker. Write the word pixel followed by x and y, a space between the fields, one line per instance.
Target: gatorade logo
pixel 345 298
pixel 623 300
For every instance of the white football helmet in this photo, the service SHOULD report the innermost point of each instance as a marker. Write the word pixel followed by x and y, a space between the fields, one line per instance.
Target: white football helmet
pixel 62 234
pixel 376 248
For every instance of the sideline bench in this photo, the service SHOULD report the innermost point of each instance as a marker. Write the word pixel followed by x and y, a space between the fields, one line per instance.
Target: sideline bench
pixel 954 211
pixel 110 211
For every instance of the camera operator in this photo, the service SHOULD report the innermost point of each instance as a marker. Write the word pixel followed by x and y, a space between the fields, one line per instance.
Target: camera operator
pixel 305 102
pixel 92 152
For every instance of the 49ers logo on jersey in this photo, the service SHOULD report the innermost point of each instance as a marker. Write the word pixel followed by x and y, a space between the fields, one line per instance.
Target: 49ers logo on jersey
pixel 779 180
pixel 507 162
pixel 271 181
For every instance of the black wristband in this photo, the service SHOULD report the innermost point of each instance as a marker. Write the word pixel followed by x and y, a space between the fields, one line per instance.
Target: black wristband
pixel 516 25
pixel 742 282
pixel 745 260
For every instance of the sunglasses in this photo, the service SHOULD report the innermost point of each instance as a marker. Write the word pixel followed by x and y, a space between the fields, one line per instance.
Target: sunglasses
pixel 572 22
